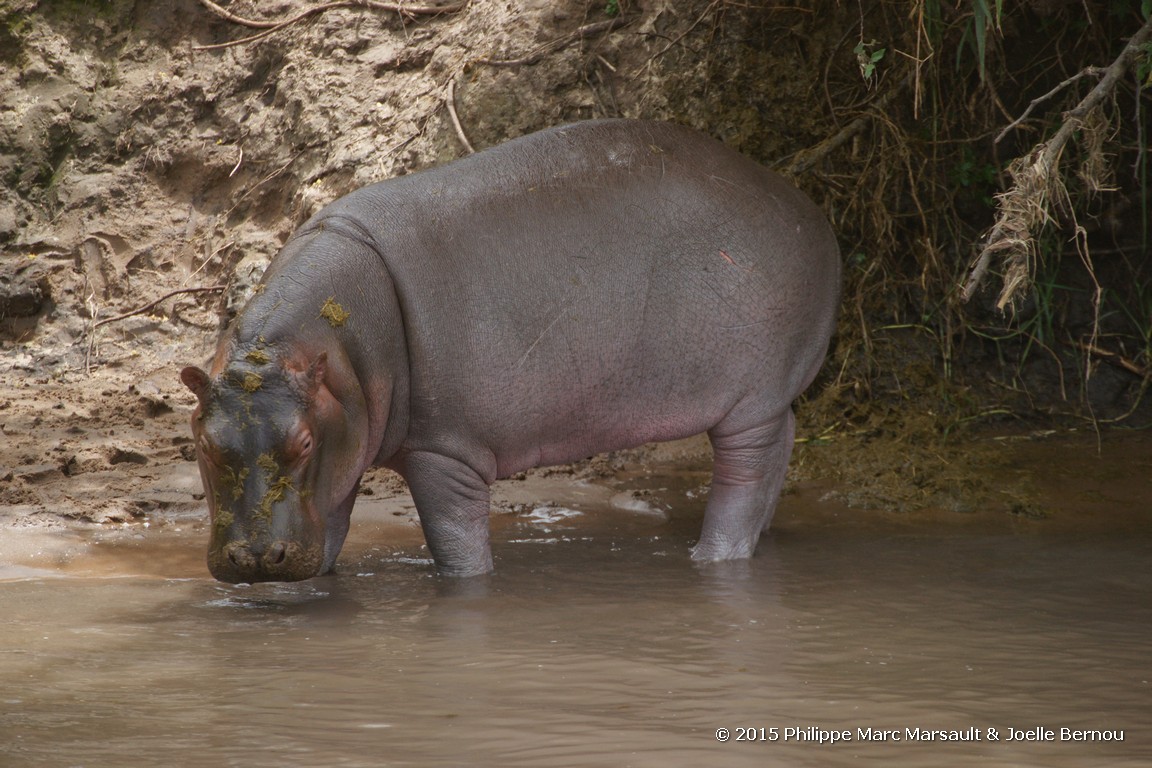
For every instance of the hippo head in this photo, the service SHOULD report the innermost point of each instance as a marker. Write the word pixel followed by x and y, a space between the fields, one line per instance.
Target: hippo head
pixel 277 457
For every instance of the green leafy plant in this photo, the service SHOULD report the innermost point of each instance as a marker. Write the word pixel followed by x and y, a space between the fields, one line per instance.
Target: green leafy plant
pixel 985 16
pixel 868 56
pixel 1144 66
pixel 977 178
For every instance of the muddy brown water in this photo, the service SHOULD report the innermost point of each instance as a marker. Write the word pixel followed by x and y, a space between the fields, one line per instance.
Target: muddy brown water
pixel 598 643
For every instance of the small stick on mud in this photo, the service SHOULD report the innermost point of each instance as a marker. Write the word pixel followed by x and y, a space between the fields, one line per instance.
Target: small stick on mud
pixel 269 26
pixel 676 40
pixel 238 162
pixel 150 305
pixel 588 30
pixel 91 346
pixel 450 102
pixel 209 257
pixel 224 13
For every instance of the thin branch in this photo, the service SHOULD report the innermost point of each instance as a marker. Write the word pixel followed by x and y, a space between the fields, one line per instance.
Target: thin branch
pixel 209 257
pixel 241 41
pixel 270 27
pixel 676 40
pixel 267 179
pixel 1094 71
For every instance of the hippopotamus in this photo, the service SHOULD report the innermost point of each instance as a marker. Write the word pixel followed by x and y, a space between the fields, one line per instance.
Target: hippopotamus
pixel 588 288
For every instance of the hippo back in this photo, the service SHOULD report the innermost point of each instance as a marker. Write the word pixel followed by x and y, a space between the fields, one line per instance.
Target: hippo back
pixel 598 286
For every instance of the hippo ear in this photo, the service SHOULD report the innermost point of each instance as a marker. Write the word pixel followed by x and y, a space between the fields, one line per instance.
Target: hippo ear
pixel 307 381
pixel 196 380
pixel 317 372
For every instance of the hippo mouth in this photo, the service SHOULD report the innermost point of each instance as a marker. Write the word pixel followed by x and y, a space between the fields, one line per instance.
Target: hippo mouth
pixel 244 562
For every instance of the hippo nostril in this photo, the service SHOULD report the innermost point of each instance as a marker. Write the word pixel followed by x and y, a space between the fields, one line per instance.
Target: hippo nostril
pixel 276 553
pixel 240 556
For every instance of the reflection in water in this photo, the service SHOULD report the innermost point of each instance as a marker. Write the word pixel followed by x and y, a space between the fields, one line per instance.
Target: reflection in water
pixel 611 648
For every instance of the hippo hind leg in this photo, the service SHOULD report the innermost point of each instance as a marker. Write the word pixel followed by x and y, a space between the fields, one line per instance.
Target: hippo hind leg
pixel 748 469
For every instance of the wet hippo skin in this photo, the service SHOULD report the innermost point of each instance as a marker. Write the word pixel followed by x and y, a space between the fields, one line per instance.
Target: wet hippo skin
pixel 587 288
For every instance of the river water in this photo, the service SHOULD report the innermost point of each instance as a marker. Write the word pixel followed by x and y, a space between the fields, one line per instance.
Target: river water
pixel 596 643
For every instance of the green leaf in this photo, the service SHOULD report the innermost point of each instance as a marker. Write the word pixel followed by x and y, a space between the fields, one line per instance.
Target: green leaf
pixel 980 18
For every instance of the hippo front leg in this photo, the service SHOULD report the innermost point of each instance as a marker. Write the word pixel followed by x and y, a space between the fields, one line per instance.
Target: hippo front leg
pixel 452 500
pixel 336 530
pixel 748 470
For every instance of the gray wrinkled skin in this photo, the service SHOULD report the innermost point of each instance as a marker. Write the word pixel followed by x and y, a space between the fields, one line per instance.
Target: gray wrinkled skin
pixel 587 288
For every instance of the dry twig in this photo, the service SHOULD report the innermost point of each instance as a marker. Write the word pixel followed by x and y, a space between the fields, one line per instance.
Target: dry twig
pixel 450 102
pixel 90 349
pixel 1116 359
pixel 1086 72
pixel 676 40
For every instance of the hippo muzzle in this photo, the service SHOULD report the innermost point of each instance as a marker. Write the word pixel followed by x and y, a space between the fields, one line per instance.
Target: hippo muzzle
pixel 269 532
pixel 246 561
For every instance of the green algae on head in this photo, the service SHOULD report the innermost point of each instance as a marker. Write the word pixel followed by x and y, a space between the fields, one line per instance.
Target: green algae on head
pixel 267 462
pixel 275 493
pixel 224 519
pixel 257 357
pixel 251 382
pixel 237 481
pixel 335 314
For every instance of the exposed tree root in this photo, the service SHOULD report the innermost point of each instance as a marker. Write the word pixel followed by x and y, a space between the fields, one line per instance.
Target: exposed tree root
pixel 1037 187
pixel 269 26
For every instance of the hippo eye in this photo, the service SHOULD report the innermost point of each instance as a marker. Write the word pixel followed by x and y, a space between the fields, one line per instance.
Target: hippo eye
pixel 302 447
